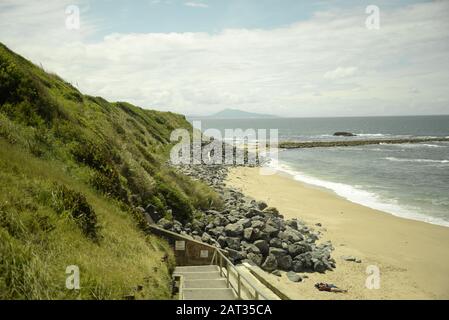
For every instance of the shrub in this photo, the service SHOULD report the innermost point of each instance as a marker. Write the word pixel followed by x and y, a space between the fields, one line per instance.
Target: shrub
pixel 75 203
pixel 109 183
pixel 179 204
pixel 92 155
pixel 27 94
pixel 74 96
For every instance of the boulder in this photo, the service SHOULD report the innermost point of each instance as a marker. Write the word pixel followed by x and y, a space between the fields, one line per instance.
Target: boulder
pixel 220 221
pixel 293 276
pixel 351 259
pixel 246 223
pixel 251 248
pixel 235 255
pixel 222 241
pixel 263 246
pixel 284 262
pixel 206 237
pixel 270 230
pixel 250 213
pixel 320 266
pixel 249 234
pixel 277 252
pixel 154 214
pixel 298 266
pixel 213 212
pixel 290 235
pixel 344 134
pixel 276 273
pixel 271 210
pixel 292 224
pixel 257 224
pixel 233 219
pixel 216 232
pixel 276 243
pixel 270 263
pixel 256 258
pixel 232 243
pixel 261 205
pixel 198 226
pixel 165 224
pixel 234 230
pixel 298 248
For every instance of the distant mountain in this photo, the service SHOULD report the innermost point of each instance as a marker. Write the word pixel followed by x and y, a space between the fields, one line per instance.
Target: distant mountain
pixel 238 114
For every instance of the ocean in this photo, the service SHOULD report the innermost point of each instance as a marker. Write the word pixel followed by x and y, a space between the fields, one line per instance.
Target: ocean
pixel 406 180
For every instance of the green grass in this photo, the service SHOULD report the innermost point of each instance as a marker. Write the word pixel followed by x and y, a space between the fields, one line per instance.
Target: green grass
pixel 74 168
pixel 39 242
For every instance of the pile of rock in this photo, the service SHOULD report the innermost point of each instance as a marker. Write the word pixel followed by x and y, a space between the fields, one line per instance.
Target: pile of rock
pixel 250 230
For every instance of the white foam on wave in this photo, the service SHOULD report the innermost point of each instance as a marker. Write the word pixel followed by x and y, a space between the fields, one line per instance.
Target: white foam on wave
pixel 414 145
pixel 359 196
pixel 432 145
pixel 415 160
pixel 372 135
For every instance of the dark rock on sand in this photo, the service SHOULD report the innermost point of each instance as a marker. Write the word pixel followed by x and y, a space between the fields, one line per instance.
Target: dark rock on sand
pixel 293 276
pixel 351 259
pixel 276 273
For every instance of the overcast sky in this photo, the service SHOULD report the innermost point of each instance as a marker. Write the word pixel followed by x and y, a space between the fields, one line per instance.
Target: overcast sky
pixel 284 57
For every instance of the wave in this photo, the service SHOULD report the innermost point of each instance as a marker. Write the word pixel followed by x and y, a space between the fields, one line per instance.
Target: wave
pixel 373 135
pixel 415 160
pixel 431 145
pixel 413 145
pixel 359 196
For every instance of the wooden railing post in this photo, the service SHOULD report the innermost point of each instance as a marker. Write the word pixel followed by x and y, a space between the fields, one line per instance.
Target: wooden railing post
pixel 227 274
pixel 221 264
pixel 239 286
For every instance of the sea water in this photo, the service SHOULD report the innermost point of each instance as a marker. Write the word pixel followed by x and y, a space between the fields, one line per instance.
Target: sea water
pixel 407 180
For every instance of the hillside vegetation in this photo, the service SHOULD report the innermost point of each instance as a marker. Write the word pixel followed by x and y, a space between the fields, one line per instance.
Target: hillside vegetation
pixel 74 170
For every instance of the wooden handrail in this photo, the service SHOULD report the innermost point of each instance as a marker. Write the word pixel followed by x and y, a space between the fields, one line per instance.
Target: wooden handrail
pixel 240 276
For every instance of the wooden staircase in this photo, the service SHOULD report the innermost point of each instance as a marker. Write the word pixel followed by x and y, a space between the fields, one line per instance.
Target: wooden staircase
pixel 203 283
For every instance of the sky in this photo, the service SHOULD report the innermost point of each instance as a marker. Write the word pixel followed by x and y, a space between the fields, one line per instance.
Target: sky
pixel 286 57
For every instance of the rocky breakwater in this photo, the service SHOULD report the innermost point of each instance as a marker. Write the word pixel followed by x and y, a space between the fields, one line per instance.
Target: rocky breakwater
pixel 250 230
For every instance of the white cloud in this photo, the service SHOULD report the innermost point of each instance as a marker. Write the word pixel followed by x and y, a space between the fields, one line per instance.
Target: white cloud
pixel 196 5
pixel 326 66
pixel 340 73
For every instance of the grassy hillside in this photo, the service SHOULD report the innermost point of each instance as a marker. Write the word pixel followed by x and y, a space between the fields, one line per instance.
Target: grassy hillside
pixel 73 171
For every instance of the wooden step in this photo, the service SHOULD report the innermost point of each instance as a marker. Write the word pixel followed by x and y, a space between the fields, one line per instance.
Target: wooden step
pixel 206 283
pixel 208 294
pixel 208 268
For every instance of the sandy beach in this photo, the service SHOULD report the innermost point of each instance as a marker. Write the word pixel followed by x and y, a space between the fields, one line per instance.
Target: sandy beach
pixel 412 256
